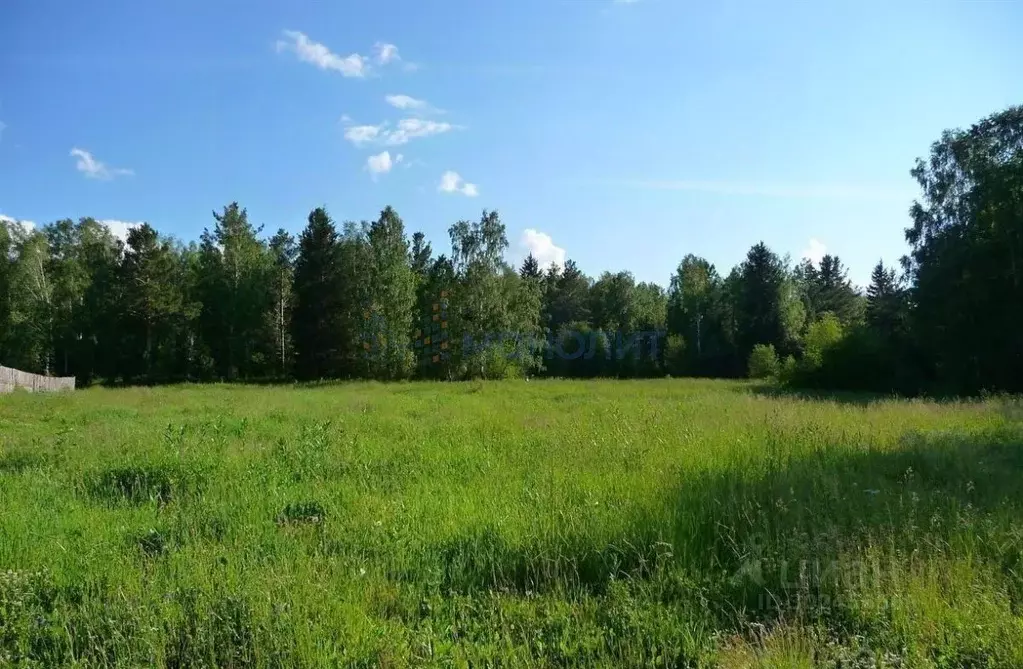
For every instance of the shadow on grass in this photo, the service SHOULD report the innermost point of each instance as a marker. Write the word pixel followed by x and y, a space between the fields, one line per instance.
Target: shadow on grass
pixel 761 542
pixel 776 391
pixel 855 397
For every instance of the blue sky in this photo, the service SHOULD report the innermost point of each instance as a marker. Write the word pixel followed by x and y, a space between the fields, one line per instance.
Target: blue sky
pixel 623 134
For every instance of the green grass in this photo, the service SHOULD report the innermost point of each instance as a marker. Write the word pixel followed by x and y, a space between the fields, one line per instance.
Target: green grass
pixel 607 523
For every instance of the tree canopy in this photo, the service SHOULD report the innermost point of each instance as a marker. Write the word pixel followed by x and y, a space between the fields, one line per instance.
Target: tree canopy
pixel 366 300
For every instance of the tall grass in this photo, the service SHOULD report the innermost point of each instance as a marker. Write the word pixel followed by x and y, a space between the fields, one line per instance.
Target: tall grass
pixel 627 523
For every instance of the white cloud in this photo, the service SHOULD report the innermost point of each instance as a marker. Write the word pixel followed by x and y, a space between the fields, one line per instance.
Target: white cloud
pixel 363 134
pixel 815 251
pixel 95 169
pixel 405 102
pixel 452 182
pixel 120 229
pixel 543 248
pixel 308 51
pixel 411 128
pixel 386 53
pixel 28 226
pixel 406 130
pixel 382 163
pixel 832 191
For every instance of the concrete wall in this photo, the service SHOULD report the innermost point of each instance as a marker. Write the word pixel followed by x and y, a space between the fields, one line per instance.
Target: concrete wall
pixel 12 378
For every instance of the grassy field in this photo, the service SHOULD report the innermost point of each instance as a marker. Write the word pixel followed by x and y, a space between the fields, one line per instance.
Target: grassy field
pixel 609 523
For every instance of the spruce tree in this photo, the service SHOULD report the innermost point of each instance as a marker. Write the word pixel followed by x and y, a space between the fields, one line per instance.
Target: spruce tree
pixel 282 253
pixel 317 325
pixel 530 268
pixel 759 308
pixel 392 287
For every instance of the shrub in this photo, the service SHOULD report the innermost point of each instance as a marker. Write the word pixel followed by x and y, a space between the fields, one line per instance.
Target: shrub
pixel 823 334
pixel 674 355
pixel 789 370
pixel 763 362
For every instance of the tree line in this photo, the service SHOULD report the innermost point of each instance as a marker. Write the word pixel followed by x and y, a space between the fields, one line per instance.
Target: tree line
pixel 364 300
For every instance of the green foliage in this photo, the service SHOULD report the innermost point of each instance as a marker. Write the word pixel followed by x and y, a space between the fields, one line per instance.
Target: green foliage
pixel 787 370
pixel 792 313
pixel 392 295
pixel 763 362
pixel 531 268
pixel 362 301
pixel 494 311
pixel 825 288
pixel 760 316
pixel 156 308
pixel 821 336
pixel 236 272
pixel 283 253
pixel 700 309
pixel 966 245
pixel 567 296
pixel 317 323
pixel 675 355
pixel 886 301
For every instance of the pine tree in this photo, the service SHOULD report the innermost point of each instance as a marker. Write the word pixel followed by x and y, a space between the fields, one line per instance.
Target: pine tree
pixel 530 268
pixel 567 296
pixel 835 293
pixel 154 304
pixel 235 295
pixel 885 300
pixel 282 252
pixel 759 308
pixel 420 256
pixel 392 285
pixel 317 321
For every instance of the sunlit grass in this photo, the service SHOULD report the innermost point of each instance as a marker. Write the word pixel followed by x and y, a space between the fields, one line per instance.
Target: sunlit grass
pixel 612 523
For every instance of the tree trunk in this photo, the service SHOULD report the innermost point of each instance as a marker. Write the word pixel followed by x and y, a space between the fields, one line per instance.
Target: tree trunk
pixel 149 351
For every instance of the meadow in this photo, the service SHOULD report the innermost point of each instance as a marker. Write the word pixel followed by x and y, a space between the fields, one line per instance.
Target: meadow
pixel 546 523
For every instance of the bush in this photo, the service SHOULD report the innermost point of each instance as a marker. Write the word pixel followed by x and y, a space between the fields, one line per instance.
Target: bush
pixel 822 335
pixel 674 355
pixel 763 362
pixel 789 370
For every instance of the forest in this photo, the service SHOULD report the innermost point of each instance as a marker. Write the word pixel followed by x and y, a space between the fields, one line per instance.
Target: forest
pixel 367 300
